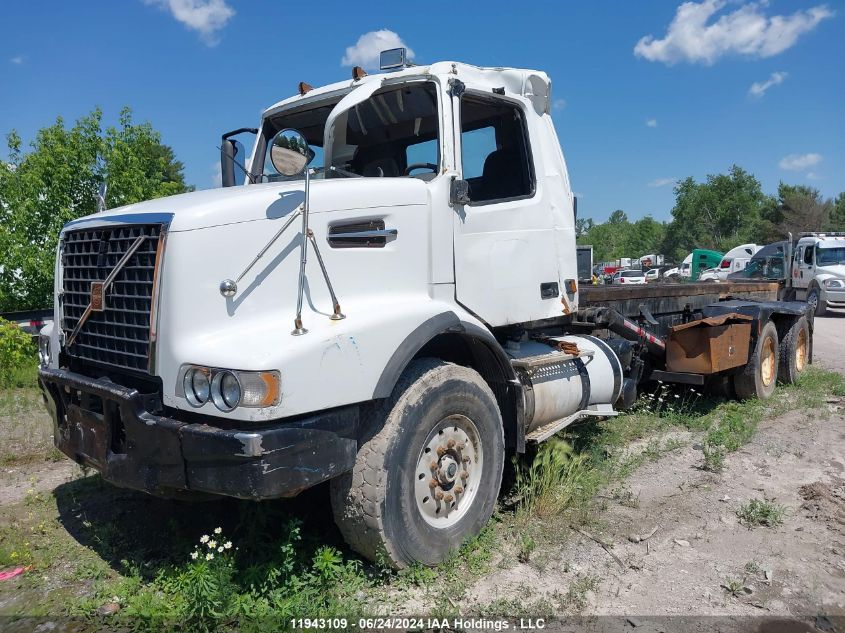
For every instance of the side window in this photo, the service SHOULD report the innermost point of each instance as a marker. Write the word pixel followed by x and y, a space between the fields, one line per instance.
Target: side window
pixel 808 255
pixel 496 160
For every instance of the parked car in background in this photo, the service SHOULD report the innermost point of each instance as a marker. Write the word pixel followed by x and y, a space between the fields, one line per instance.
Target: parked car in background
pixel 628 277
pixel 652 274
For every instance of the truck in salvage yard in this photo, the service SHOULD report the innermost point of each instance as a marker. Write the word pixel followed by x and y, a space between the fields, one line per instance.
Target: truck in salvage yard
pixel 388 301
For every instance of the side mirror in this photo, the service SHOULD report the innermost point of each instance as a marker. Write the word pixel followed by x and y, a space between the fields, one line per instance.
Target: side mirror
pixel 459 192
pixel 290 153
pixel 228 149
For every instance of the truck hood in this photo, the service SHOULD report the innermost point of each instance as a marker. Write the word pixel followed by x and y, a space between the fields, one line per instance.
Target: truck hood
pixel 836 271
pixel 247 203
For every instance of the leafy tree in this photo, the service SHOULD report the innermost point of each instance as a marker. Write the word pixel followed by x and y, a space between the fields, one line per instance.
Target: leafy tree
pixel 583 226
pixel 618 237
pixel 724 211
pixel 57 181
pixel 837 214
pixel 798 208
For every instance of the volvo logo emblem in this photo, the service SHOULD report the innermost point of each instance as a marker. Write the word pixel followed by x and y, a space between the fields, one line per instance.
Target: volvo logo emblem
pixel 97 296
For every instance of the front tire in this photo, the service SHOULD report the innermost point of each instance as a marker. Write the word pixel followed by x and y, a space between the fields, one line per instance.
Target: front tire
pixel 429 477
pixel 814 298
pixel 794 352
pixel 758 378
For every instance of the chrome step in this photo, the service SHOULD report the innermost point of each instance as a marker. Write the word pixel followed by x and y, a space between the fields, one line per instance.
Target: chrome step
pixel 594 410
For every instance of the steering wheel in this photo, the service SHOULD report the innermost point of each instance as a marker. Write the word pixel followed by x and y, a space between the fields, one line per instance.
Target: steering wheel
pixel 430 166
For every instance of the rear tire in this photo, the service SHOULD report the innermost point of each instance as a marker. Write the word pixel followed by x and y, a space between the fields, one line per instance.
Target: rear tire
pixel 758 378
pixel 386 507
pixel 794 352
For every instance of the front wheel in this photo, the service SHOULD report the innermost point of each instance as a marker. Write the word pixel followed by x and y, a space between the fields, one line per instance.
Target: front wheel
pixel 429 477
pixel 814 298
pixel 758 378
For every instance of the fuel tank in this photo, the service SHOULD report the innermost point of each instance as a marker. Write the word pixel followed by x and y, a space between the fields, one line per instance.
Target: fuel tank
pixel 565 375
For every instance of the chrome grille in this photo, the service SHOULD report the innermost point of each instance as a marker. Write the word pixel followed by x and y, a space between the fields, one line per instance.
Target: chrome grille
pixel 118 336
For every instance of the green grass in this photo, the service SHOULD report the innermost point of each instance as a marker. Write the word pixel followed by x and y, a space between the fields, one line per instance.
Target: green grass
pixel 759 512
pixel 25 427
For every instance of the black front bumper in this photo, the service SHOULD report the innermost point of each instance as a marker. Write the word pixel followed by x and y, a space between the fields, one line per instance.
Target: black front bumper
pixel 108 427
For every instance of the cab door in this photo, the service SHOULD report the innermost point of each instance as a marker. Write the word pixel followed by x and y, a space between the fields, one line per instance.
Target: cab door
pixel 506 266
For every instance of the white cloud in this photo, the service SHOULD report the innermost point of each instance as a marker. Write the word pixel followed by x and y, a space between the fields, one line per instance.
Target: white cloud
pixel 559 104
pixel 691 36
pixel 651 123
pixel 813 175
pixel 758 88
pixel 207 17
pixel 366 51
pixel 799 162
pixel 662 182
pixel 17 60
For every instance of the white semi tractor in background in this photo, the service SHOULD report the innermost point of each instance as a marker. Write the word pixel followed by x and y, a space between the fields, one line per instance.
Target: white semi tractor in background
pixel 388 301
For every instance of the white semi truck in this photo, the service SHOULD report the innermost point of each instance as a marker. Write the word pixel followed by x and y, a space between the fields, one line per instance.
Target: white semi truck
pixel 388 301
pixel 818 270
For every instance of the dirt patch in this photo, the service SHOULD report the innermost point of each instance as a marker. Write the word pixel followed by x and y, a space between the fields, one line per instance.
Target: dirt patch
pixel 825 501
pixel 701 560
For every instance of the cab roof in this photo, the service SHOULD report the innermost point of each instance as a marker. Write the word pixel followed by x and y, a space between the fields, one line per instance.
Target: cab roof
pixel 534 85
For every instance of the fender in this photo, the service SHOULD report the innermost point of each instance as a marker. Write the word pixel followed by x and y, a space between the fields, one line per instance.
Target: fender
pixel 490 361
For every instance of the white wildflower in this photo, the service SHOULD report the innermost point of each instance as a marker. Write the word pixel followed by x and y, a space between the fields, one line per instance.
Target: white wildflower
pixel 212 544
pixel 220 549
pixel 204 538
pixel 218 530
pixel 194 555
pixel 209 556
pixel 228 544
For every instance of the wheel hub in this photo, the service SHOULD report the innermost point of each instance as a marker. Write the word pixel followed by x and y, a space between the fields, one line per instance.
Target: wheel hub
pixel 448 471
pixel 768 368
pixel 801 350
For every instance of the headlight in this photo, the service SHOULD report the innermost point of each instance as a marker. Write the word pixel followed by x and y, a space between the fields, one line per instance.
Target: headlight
pixel 44 350
pixel 225 391
pixel 834 283
pixel 197 386
pixel 229 389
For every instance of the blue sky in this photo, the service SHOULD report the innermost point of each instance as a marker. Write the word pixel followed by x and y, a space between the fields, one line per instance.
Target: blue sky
pixel 633 114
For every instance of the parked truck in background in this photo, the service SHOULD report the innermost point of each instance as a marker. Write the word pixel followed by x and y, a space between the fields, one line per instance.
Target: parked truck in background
pixel 388 301
pixel 698 261
pixel 734 260
pixel 818 270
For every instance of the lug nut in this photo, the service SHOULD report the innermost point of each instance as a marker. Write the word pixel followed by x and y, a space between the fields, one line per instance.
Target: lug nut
pixel 433 465
pixel 440 451
pixel 438 495
pixel 432 483
pixel 460 446
pixel 450 444
pixel 464 474
pixel 466 459
pixel 458 490
pixel 448 498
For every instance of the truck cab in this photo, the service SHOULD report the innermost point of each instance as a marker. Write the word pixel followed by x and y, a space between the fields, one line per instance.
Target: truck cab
pixel 818 270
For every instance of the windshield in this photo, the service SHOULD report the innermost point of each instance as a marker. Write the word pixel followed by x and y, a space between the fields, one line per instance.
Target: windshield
pixel 631 273
pixel 830 256
pixel 392 134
